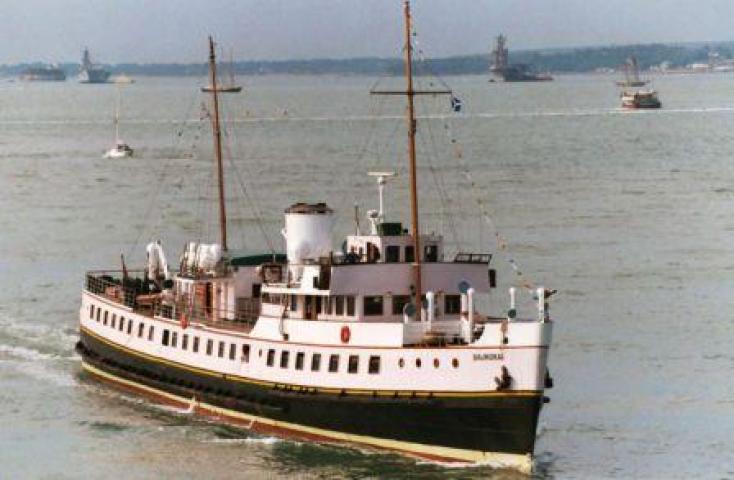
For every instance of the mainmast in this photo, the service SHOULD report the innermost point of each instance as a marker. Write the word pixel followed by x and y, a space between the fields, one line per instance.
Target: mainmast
pixel 415 230
pixel 218 144
pixel 410 93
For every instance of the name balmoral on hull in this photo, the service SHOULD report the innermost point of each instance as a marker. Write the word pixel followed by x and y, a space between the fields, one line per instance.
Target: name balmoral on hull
pixel 380 343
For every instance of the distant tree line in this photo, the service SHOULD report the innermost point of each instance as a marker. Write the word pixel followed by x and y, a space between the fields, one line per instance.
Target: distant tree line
pixel 584 59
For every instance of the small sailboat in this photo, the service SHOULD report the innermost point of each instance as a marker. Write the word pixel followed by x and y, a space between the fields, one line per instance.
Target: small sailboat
pixel 631 74
pixel 229 87
pixel 120 149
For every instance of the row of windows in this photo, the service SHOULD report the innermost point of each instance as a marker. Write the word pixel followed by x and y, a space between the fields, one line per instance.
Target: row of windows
pixel 392 253
pixel 374 305
pixel 373 364
pixel 170 339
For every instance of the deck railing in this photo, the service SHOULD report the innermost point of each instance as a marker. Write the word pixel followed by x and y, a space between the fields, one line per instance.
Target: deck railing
pixel 132 293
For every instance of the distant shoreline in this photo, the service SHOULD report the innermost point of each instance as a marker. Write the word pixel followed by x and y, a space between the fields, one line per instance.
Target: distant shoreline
pixel 567 60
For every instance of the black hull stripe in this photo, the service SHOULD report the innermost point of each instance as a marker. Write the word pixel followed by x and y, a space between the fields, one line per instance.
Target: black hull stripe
pixel 480 425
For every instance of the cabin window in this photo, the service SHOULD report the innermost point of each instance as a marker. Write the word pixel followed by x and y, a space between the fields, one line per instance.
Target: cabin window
pixel 315 362
pixel 436 363
pixel 151 332
pixel 350 305
pixel 271 357
pixel 430 253
pixel 185 341
pixel 339 305
pixel 333 363
pixel 256 290
pixel 98 312
pixel 418 362
pixel 455 363
pixel 300 356
pixel 294 303
pixel 174 339
pixel 129 327
pixel 246 352
pixel 374 366
pixel 220 350
pixel 392 254
pixel 373 305
pixel 195 345
pixel 121 326
pixel 401 363
pixel 398 303
pixel 409 254
pixel 114 320
pixel 284 357
pixel 452 304
pixel 209 346
pixel 141 327
pixel 326 306
pixel 105 318
pixel 265 297
pixel 164 338
pixel 232 351
pixel 353 365
pixel 91 312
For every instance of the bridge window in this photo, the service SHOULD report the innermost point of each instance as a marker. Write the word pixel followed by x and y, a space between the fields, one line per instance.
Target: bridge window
pixel 114 320
pixel 122 323
pixel 209 346
pixel 392 254
pixel 374 366
pixel 232 351
pixel 91 312
pixel 174 339
pixel 333 363
pixel 299 360
pixel 185 341
pixel 151 332
pixel 430 253
pixel 373 305
pixel 315 362
pixel 98 311
pixel 409 254
pixel 339 305
pixel 284 357
pixel 164 337
pixel 246 352
pixel 294 303
pixel 452 304
pixel 350 305
pixel 129 327
pixel 353 365
pixel 195 345
pixel 220 351
pixel 271 357
pixel 398 303
pixel 141 327
pixel 105 318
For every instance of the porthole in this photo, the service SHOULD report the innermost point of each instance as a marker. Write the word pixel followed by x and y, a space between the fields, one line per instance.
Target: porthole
pixel 401 363
pixel 436 363
pixel 455 363
pixel 418 362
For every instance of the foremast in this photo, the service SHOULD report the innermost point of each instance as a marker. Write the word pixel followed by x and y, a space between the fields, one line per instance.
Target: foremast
pixel 218 145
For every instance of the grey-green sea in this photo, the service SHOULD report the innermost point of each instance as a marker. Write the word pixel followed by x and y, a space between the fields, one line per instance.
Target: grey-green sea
pixel 628 214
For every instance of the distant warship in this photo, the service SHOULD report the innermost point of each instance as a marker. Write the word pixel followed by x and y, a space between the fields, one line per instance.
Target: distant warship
pixel 90 72
pixel 516 72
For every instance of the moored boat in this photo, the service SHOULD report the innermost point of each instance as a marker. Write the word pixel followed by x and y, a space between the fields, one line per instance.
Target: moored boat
pixel 641 99
pixel 379 343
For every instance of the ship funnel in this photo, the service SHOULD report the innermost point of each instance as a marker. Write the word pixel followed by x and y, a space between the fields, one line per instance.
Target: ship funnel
pixel 307 234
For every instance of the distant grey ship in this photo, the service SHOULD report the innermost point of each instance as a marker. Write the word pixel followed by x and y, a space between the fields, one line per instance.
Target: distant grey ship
pixel 90 72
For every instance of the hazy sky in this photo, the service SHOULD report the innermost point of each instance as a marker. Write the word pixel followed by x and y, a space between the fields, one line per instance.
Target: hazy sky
pixel 175 30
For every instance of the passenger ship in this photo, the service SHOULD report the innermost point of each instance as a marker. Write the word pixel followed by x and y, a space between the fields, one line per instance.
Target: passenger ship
pixel 329 344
